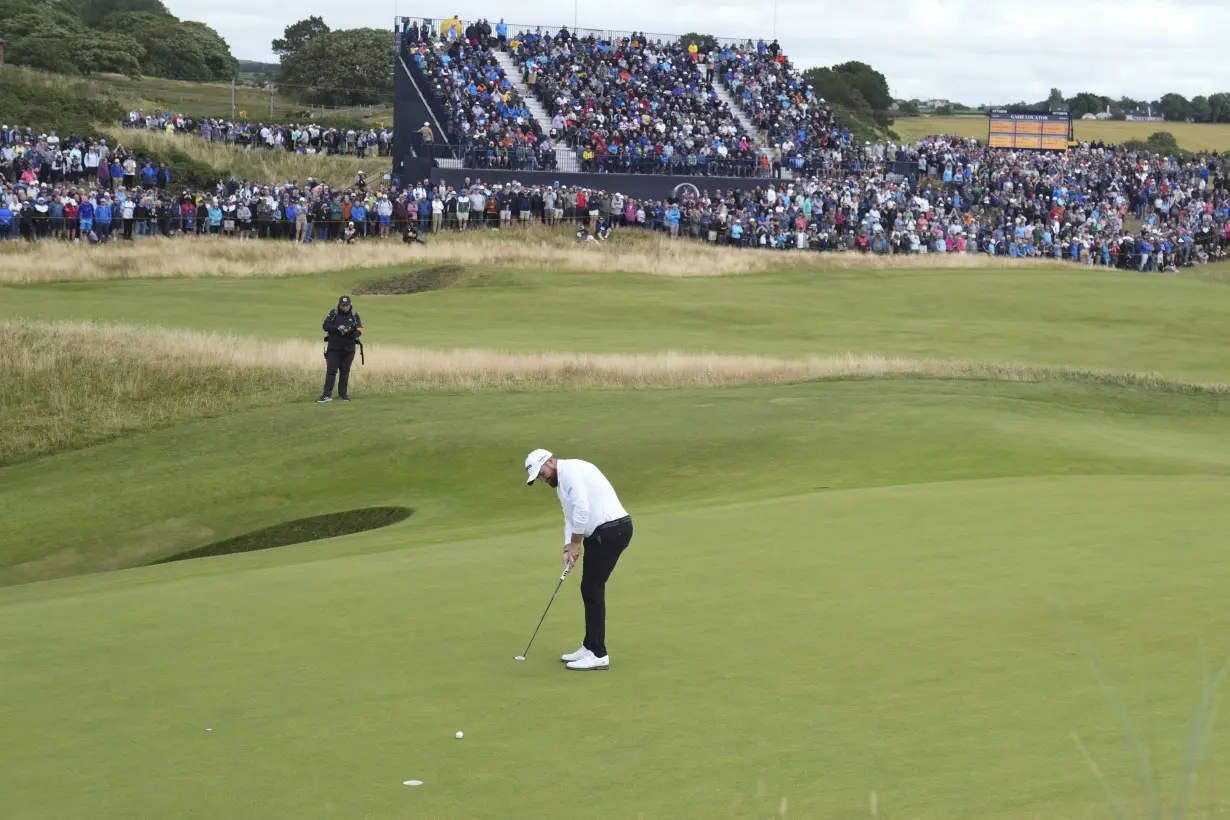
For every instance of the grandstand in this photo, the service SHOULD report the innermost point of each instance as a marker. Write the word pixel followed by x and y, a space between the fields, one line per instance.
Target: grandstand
pixel 529 99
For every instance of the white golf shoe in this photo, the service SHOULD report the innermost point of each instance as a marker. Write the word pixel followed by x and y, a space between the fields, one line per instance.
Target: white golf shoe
pixel 575 656
pixel 590 663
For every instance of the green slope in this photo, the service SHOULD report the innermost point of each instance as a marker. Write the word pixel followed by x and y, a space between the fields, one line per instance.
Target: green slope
pixel 456 460
pixel 1077 317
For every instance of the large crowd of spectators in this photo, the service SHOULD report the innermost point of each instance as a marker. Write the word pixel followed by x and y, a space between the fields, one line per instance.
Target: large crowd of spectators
pixel 635 105
pixel 487 119
pixel 624 105
pixel 310 138
pixel 1098 204
pixel 800 126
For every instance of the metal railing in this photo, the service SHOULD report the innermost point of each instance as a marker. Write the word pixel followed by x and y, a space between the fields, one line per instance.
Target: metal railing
pixel 472 156
pixel 485 158
pixel 481 157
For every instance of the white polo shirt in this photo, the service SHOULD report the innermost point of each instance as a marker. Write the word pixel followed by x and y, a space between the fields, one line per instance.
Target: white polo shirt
pixel 588 499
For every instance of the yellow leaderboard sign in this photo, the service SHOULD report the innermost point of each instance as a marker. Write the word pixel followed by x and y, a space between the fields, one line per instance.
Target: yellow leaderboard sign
pixel 1022 130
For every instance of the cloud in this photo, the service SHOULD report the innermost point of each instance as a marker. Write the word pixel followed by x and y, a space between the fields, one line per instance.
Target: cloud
pixel 971 51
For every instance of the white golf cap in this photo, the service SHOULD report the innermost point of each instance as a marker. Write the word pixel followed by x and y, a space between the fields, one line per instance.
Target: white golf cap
pixel 534 462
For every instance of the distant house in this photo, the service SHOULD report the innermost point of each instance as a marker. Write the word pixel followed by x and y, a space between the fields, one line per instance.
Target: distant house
pixel 1144 115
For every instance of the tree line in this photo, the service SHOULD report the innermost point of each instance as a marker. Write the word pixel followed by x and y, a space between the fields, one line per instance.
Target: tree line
pixel 1174 107
pixel 131 37
pixel 335 67
pixel 1213 108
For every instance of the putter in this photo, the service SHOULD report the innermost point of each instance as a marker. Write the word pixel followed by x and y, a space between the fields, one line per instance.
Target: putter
pixel 543 618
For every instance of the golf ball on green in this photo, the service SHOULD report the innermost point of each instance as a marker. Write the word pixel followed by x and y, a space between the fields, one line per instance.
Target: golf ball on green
pixel 460 735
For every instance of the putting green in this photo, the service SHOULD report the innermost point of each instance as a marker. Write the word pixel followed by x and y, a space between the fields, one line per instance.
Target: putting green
pixel 913 641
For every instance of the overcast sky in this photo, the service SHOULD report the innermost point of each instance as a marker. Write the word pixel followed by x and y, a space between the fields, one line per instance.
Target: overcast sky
pixel 970 51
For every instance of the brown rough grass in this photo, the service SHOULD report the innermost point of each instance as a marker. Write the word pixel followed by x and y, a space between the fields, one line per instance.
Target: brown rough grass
pixel 50 345
pixel 259 164
pixel 68 385
pixel 629 251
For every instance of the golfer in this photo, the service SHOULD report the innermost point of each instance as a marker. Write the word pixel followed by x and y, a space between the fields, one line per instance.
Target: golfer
pixel 593 518
pixel 344 327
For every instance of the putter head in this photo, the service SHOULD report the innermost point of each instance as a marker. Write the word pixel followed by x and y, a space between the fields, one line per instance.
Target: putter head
pixel 519 658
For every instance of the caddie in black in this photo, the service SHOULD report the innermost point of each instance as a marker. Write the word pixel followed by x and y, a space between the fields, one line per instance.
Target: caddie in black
pixel 344 328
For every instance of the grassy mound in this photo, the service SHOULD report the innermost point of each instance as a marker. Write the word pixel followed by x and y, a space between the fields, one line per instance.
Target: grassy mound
pixel 214 100
pixel 79 383
pixel 76 385
pixel 1069 317
pixel 193 153
pixel 57 103
pixel 534 249
pixel 71 386
pixel 81 107
pixel 301 531
pixel 95 107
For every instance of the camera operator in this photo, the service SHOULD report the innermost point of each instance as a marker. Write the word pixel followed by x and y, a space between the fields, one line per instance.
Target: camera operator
pixel 413 236
pixel 344 328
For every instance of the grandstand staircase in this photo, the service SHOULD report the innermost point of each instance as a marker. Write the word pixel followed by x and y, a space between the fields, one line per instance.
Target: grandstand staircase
pixel 762 141
pixel 412 108
pixel 565 157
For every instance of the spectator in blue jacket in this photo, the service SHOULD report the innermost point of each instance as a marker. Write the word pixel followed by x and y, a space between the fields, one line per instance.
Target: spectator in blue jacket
pixel 102 218
pixel 85 216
